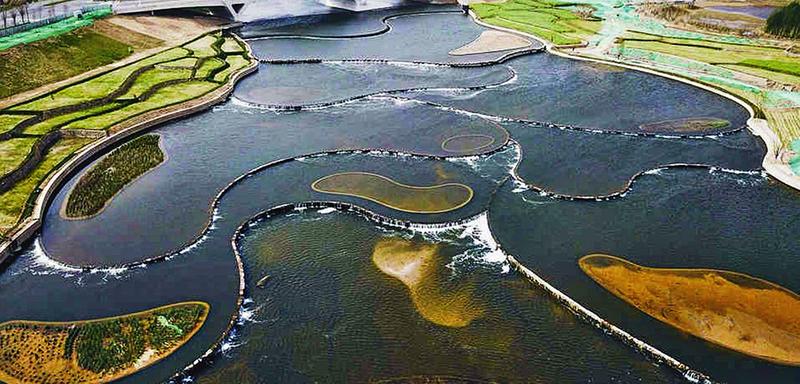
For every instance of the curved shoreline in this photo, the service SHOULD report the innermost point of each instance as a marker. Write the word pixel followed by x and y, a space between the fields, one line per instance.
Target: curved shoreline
pixel 214 205
pixel 28 227
pixel 568 127
pixel 62 212
pixel 471 193
pixel 125 373
pixel 756 125
pixel 613 195
pixel 721 273
pixel 384 20
pixel 595 320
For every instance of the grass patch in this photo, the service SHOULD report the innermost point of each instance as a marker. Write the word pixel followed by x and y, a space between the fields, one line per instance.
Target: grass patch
pixel 49 125
pixel 99 350
pixel 164 97
pixel 8 122
pixel 154 77
pixel 767 74
pixel 208 67
pixel 389 193
pixel 13 202
pixel 545 19
pixel 29 66
pixel 126 163
pixel 235 64
pixel 232 46
pixel 780 66
pixel 99 86
pixel 204 46
pixel 773 60
pixel 13 152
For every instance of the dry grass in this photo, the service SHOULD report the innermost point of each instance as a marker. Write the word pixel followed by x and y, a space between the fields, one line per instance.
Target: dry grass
pixel 736 311
pixel 42 352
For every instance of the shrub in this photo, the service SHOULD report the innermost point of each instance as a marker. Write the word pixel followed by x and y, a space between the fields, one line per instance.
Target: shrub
pixel 785 21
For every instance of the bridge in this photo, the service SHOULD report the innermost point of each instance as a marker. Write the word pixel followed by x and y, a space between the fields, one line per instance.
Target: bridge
pixel 234 8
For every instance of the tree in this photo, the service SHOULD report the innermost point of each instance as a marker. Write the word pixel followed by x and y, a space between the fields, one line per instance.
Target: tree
pixel 785 21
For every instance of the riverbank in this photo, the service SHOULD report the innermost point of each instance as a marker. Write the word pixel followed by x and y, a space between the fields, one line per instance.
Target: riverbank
pixel 118 131
pixel 758 125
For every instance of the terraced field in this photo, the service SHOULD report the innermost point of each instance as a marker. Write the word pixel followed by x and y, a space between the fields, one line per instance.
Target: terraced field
pixel 38 135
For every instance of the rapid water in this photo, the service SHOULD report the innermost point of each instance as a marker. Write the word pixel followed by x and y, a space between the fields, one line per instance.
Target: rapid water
pixel 327 314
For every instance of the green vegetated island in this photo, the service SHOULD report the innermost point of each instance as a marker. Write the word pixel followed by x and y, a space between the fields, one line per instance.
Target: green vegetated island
pixel 105 179
pixel 734 310
pixel 689 125
pixel 38 135
pixel 95 351
pixel 740 54
pixel 389 193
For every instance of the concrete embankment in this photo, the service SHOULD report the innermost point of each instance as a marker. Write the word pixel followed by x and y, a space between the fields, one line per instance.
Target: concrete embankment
pixel 29 227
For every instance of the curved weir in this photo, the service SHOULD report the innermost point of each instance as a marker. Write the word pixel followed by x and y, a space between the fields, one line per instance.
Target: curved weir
pixel 540 142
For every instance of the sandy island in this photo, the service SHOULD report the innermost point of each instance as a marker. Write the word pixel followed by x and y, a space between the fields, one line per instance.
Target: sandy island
pixel 392 194
pixel 734 310
pixel 414 264
pixel 492 41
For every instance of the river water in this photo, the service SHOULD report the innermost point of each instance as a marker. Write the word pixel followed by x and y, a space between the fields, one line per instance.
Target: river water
pixel 327 313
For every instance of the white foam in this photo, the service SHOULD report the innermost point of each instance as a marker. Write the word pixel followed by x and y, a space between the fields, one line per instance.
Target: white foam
pixel 655 171
pixel 37 262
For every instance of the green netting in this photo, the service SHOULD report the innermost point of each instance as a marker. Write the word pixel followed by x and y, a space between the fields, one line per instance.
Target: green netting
pixel 54 29
pixel 794 163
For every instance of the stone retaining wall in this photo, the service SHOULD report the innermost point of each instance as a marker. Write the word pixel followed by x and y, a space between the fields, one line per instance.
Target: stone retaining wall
pixel 31 161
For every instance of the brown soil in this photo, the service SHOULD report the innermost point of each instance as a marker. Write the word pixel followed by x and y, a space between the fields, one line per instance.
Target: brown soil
pixel 492 41
pixel 736 311
pixel 127 36
pixel 171 30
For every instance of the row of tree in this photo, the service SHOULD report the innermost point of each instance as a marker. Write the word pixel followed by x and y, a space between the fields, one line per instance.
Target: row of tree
pixel 785 21
pixel 15 12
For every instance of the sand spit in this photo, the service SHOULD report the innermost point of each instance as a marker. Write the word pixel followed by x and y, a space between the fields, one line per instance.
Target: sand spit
pixel 492 41
pixel 734 310
pixel 414 264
